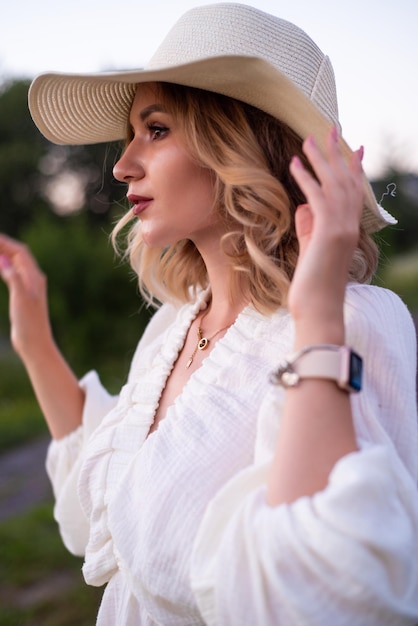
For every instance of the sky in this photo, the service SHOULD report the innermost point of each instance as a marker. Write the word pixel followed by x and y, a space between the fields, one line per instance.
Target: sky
pixel 373 46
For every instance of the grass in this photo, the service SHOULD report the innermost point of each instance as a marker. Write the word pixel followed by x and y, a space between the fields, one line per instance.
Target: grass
pixel 40 582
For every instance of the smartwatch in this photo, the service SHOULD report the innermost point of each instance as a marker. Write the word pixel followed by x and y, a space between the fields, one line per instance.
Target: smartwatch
pixel 338 363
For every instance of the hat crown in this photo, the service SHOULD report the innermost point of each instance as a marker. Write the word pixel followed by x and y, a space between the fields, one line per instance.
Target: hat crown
pixel 230 49
pixel 230 29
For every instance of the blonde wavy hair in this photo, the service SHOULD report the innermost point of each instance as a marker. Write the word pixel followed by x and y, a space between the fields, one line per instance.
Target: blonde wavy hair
pixel 248 152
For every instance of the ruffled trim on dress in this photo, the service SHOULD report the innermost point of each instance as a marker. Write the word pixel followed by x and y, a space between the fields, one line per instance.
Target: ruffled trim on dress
pixel 61 456
pixel 235 396
pixel 63 453
pixel 112 448
pixel 64 459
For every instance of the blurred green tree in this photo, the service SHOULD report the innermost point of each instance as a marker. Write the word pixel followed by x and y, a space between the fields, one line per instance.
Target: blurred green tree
pixel 21 148
pixel 37 176
pixel 96 311
pixel 398 193
pixel 62 201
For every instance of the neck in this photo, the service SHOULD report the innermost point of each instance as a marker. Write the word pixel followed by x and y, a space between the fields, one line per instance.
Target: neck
pixel 227 298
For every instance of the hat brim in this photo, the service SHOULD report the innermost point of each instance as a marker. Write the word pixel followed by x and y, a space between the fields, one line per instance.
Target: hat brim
pixel 80 109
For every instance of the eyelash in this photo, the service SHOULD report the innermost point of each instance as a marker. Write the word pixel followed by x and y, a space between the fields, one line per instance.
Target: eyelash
pixel 157 131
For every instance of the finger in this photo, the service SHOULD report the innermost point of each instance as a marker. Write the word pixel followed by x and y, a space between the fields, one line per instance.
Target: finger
pixel 13 250
pixel 317 159
pixel 347 170
pixel 356 160
pixel 330 165
pixel 304 226
pixel 6 268
pixel 357 173
pixel 9 274
pixel 306 182
pixel 333 150
pixel 19 257
pixel 303 220
pixel 17 252
pixel 8 245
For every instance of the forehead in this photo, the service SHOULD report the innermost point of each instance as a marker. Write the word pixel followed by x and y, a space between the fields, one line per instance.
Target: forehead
pixel 146 94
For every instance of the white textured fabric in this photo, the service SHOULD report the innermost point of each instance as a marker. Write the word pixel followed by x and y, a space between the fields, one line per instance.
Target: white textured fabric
pixel 177 524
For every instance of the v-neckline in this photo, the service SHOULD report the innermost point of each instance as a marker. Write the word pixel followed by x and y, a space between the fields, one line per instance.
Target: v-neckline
pixel 171 348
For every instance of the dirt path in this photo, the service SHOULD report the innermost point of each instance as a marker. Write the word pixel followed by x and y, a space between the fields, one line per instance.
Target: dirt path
pixel 23 480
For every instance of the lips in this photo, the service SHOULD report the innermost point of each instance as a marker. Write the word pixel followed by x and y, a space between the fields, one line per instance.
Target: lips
pixel 139 203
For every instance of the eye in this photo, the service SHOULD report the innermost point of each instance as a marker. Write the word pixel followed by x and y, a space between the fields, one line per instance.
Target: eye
pixel 157 131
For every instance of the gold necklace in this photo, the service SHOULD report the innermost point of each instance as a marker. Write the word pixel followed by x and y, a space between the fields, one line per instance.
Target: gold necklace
pixel 203 342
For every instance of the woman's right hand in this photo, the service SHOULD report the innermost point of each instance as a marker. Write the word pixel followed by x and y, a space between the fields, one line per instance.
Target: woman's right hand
pixel 54 383
pixel 28 307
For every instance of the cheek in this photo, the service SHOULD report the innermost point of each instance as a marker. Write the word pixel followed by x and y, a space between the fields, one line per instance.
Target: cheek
pixel 203 187
pixel 182 181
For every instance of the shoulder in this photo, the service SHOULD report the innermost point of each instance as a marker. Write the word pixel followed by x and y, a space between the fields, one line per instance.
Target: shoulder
pixel 381 328
pixel 270 335
pixel 371 297
pixel 377 311
pixel 162 318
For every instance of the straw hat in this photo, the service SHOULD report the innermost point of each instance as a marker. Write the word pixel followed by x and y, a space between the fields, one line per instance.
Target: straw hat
pixel 232 49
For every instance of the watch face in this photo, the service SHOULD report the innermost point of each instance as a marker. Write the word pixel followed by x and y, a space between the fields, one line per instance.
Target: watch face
pixel 356 371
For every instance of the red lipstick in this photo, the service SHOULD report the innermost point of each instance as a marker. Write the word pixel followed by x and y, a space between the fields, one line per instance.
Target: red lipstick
pixel 139 203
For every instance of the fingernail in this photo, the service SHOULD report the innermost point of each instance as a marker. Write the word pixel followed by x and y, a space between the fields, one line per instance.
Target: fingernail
pixel 334 133
pixel 296 162
pixel 361 153
pixel 4 262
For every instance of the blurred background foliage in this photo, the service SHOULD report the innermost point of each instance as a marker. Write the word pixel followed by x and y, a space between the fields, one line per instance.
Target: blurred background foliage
pixel 62 201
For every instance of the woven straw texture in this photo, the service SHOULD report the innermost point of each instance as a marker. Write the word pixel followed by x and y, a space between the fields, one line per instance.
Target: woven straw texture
pixel 231 49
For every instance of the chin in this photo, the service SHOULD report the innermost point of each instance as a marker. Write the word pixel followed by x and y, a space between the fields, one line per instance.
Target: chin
pixel 157 240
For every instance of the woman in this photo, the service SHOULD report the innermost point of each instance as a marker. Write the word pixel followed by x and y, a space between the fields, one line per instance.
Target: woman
pixel 230 483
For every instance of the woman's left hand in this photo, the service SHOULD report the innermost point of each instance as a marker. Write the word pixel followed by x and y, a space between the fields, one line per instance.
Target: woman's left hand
pixel 327 228
pixel 316 427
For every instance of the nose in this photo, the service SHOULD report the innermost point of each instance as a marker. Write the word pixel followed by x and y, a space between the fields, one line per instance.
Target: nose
pixel 129 167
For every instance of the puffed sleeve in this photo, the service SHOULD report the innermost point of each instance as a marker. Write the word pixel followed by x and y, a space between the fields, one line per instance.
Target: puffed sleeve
pixel 63 463
pixel 349 554
pixel 66 456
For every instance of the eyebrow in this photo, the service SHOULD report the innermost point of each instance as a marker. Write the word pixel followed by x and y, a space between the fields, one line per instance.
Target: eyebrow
pixel 152 108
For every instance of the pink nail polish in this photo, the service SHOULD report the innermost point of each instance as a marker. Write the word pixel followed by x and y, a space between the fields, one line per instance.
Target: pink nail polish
pixel 4 262
pixel 361 152
pixel 334 133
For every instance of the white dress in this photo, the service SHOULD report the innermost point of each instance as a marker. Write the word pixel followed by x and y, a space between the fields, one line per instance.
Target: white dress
pixel 177 524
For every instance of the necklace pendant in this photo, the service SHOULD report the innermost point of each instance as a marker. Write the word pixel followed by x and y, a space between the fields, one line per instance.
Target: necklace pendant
pixel 189 362
pixel 203 343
